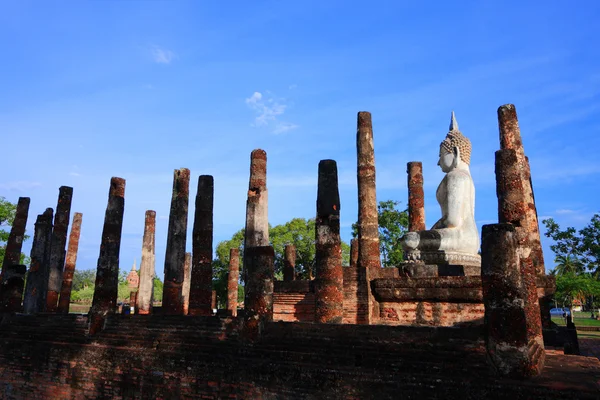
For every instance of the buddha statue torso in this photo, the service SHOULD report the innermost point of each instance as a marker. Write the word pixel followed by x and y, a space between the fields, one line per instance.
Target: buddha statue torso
pixel 454 238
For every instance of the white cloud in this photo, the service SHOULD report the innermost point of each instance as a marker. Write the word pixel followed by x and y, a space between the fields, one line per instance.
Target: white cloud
pixel 19 186
pixel 284 127
pixel 162 56
pixel 74 174
pixel 268 109
pixel 292 86
pixel 565 211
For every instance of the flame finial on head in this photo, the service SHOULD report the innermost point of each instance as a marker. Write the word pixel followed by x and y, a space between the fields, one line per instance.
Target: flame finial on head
pixel 455 138
pixel 453 123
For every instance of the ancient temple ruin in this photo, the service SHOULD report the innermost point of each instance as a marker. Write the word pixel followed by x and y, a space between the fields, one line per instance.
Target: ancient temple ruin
pixel 447 323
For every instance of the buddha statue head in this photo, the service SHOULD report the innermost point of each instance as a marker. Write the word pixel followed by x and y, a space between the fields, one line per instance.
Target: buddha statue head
pixel 455 149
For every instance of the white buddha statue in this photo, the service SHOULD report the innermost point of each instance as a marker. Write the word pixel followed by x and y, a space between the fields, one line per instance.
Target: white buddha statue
pixel 454 239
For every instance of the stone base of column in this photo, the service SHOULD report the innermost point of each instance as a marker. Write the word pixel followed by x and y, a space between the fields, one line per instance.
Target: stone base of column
pixel 515 349
pixel 258 297
pixel 11 288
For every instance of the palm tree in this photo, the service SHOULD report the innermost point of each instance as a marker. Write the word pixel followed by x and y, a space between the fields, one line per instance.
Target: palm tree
pixel 568 264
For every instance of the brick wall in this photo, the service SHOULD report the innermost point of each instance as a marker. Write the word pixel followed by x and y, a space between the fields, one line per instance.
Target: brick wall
pixel 202 357
pixel 294 301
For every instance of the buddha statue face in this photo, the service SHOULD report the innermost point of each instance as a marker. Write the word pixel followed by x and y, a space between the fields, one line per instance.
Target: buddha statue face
pixel 448 160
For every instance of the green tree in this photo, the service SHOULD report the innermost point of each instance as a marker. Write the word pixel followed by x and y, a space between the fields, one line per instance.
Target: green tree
pixel 7 217
pixel 571 286
pixel 393 224
pixel 579 249
pixel 83 279
pixel 567 264
pixel 158 290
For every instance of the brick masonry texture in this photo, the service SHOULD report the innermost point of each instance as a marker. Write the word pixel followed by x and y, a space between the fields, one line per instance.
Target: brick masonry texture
pixel 141 357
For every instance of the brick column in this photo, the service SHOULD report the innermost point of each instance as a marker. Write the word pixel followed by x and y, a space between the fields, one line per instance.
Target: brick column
pixel 187 279
pixel 201 289
pixel 232 282
pixel 329 283
pixel 71 260
pixel 289 263
pixel 416 197
pixel 515 348
pixel 172 302
pixel 257 215
pixel 368 225
pixel 145 296
pixel 213 300
pixel 57 246
pixel 107 274
pixel 11 289
pixel 258 296
pixel 353 253
pixel 510 138
pixel 12 251
pixel 36 287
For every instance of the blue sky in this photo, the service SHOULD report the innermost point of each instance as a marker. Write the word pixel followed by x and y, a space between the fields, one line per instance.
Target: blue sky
pixel 94 89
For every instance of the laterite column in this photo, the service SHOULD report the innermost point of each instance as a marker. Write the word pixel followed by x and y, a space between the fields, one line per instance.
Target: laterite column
pixel 12 251
pixel 329 283
pixel 202 236
pixel 258 297
pixel 71 260
pixel 510 139
pixel 58 245
pixel 145 295
pixel 232 282
pixel 368 225
pixel 107 273
pixel 289 263
pixel 514 348
pixel 416 197
pixel 11 288
pixel 187 280
pixel 172 303
pixel 36 287
pixel 257 213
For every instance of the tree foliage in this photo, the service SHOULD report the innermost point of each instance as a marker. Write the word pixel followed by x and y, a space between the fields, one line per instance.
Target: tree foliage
pixel 393 224
pixel 7 217
pixel 577 251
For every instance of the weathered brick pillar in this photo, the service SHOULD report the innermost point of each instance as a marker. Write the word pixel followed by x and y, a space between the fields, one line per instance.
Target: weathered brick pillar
pixel 145 296
pixel 512 206
pixel 289 263
pixel 58 245
pixel 71 260
pixel 104 302
pixel 11 289
pixel 353 253
pixel 515 348
pixel 416 197
pixel 12 251
pixel 213 300
pixel 257 215
pixel 258 296
pixel 368 226
pixel 510 138
pixel 36 287
pixel 187 280
pixel 329 283
pixel 202 236
pixel 172 302
pixel 232 281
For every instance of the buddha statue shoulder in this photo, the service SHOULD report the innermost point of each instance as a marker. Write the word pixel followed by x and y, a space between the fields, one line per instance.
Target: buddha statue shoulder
pixel 454 238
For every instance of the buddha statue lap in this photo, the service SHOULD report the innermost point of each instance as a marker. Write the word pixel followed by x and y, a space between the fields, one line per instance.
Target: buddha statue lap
pixel 450 247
